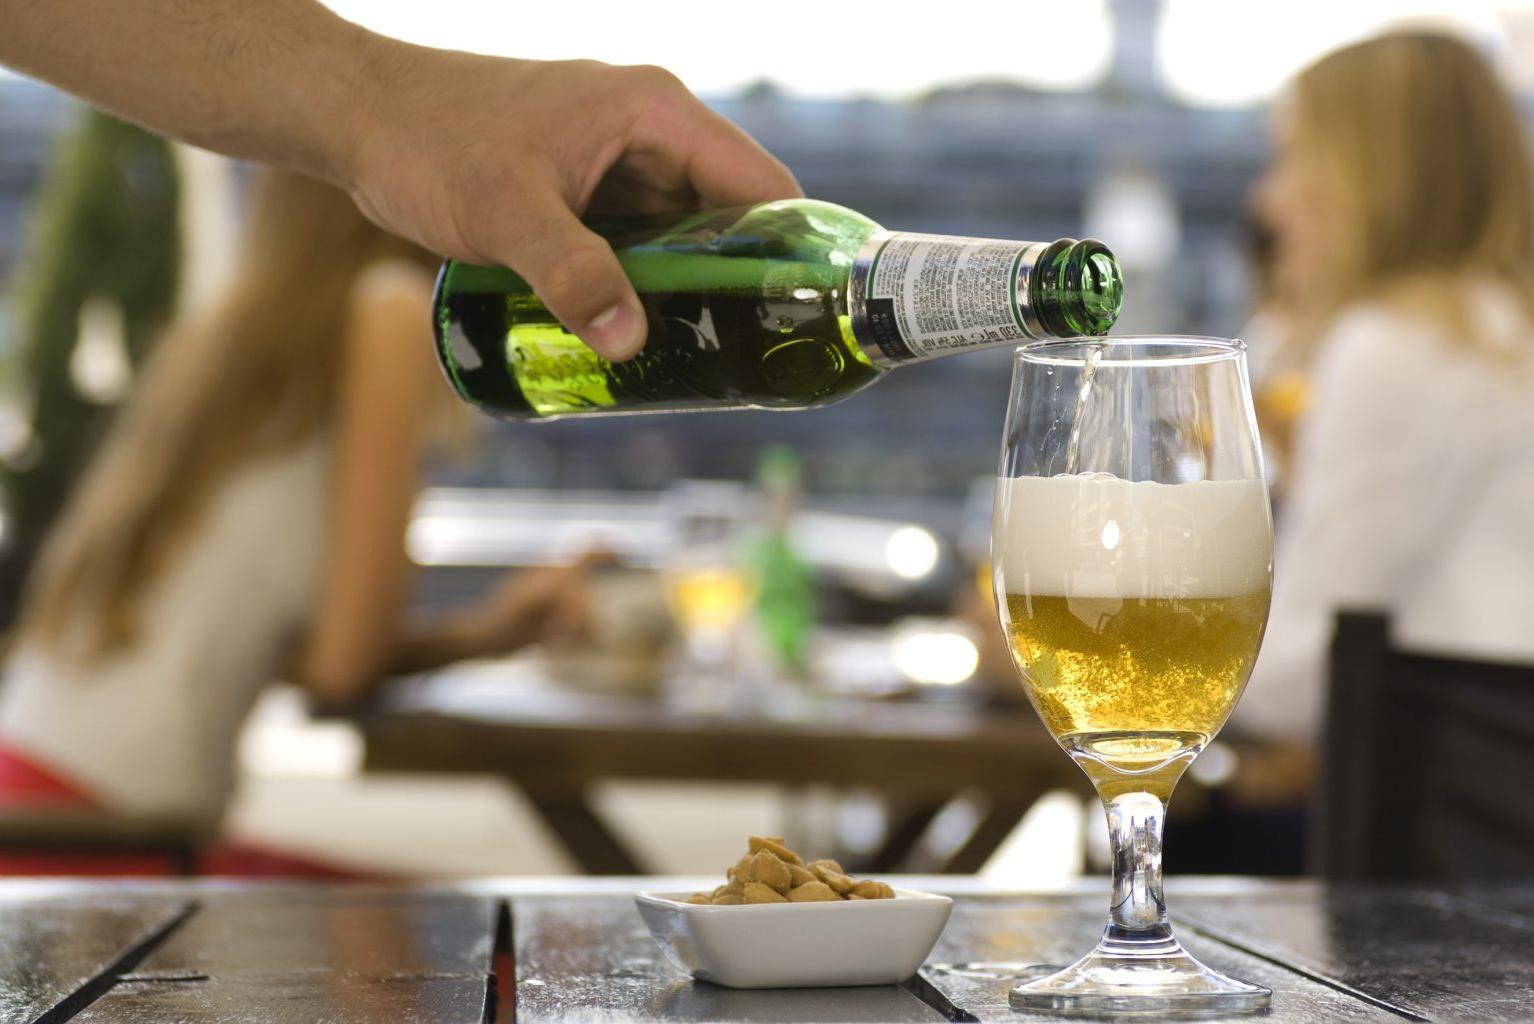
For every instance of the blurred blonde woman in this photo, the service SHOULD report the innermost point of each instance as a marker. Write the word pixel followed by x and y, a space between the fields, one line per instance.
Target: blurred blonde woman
pixel 244 522
pixel 1402 208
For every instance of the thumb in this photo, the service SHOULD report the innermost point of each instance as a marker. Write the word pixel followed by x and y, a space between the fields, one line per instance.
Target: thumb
pixel 576 275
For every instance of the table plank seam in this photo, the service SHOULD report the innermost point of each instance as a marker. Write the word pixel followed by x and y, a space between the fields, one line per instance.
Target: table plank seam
pixel 1215 935
pixel 81 998
pixel 918 985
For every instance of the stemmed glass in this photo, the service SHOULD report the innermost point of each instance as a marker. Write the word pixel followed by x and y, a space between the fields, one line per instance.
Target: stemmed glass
pixel 1132 551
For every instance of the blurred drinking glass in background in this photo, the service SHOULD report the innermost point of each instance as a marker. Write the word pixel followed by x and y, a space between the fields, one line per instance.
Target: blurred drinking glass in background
pixel 709 592
pixel 709 595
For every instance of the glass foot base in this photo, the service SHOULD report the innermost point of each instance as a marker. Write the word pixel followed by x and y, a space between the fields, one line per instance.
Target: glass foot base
pixel 1170 983
pixel 996 970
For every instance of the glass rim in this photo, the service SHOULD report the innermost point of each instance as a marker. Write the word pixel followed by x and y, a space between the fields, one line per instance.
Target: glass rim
pixel 1184 350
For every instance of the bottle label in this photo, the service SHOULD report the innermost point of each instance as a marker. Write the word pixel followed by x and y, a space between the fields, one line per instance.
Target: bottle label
pixel 927 295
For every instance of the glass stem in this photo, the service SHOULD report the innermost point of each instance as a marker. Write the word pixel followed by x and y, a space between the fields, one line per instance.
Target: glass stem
pixel 1137 924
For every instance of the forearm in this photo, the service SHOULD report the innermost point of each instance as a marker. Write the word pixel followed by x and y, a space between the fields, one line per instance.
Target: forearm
pixel 460 636
pixel 341 682
pixel 502 179
pixel 275 80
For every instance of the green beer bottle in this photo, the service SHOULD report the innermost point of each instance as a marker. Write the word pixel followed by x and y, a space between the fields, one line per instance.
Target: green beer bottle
pixel 784 305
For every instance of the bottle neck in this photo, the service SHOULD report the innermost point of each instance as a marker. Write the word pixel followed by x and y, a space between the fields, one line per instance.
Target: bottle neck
pixel 915 296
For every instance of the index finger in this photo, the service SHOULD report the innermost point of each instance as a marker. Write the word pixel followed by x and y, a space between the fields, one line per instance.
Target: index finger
pixel 724 165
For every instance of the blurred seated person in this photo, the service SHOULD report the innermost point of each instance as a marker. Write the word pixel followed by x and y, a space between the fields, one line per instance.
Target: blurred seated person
pixel 244 522
pixel 1402 208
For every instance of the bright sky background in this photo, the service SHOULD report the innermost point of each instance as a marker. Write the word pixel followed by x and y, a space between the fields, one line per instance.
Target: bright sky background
pixel 1216 52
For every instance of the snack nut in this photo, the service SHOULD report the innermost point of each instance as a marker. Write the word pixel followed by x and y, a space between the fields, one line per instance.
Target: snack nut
pixel 772 873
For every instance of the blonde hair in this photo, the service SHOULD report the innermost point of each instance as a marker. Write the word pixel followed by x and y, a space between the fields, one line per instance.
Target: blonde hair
pixel 255 377
pixel 1426 152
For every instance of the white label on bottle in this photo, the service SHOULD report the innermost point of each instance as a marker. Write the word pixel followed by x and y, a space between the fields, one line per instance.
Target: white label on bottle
pixel 930 294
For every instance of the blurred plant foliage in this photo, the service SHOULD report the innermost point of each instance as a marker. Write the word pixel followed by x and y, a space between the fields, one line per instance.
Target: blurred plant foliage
pixel 95 284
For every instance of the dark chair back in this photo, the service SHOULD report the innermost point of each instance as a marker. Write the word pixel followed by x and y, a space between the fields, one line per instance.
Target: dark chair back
pixel 1429 763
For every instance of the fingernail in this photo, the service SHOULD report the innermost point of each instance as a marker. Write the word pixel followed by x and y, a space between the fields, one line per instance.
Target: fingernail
pixel 614 333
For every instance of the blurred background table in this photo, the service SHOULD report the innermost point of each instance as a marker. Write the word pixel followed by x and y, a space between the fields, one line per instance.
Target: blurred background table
pixel 554 744
pixel 575 950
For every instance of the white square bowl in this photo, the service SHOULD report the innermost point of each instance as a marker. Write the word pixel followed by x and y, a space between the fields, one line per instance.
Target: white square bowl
pixel 797 945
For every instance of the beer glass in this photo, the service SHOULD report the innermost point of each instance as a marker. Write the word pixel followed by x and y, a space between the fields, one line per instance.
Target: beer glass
pixel 1132 550
pixel 709 593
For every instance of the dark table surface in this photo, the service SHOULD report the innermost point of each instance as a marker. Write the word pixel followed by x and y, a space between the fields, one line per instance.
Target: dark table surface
pixel 575 950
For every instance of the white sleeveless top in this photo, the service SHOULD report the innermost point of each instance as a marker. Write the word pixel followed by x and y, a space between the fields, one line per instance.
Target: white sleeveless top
pixel 152 730
pixel 1413 495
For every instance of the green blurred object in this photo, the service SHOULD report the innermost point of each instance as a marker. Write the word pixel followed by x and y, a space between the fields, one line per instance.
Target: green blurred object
pixel 104 241
pixel 786 606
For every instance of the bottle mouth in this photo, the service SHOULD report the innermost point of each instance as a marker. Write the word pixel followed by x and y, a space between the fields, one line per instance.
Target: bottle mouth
pixel 1077 288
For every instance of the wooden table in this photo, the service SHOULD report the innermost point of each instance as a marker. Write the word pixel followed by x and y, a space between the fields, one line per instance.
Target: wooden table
pixel 554 745
pixel 575 950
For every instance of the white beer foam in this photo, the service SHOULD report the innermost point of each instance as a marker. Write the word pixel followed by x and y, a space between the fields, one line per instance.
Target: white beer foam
pixel 1095 536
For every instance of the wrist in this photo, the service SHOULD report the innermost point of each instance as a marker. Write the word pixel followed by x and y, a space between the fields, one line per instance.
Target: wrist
pixel 483 633
pixel 295 92
pixel 400 99
pixel 354 75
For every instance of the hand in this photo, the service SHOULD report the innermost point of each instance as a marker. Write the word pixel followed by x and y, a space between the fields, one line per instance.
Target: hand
pixel 537 605
pixel 1274 775
pixel 494 161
